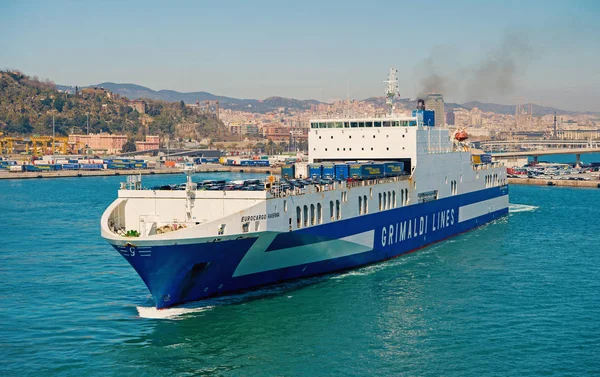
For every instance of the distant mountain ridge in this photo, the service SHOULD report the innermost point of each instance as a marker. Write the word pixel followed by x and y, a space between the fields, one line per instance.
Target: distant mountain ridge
pixel 134 91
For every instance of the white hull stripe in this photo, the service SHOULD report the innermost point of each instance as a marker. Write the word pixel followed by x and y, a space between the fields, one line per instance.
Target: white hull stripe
pixel 257 260
pixel 474 210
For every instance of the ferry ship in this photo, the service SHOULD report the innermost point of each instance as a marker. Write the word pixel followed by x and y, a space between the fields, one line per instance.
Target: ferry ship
pixel 193 243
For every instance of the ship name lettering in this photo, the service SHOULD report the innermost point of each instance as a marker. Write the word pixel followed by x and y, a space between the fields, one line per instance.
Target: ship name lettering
pixel 260 217
pixel 418 226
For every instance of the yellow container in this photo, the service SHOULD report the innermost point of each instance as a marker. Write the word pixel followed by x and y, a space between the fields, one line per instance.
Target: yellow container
pixel 476 159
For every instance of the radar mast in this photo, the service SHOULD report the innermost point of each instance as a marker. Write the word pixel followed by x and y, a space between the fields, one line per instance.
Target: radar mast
pixel 391 92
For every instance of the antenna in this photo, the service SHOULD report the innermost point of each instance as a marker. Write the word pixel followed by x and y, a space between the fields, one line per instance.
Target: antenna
pixel 348 100
pixel 392 89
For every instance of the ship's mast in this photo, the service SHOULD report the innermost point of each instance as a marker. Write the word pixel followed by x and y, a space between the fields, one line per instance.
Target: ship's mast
pixel 392 89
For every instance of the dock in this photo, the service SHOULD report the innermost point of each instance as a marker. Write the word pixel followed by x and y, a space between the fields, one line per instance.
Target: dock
pixel 554 182
pixel 206 168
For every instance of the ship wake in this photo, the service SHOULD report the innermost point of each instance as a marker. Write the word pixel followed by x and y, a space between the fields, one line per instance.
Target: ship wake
pixel 516 208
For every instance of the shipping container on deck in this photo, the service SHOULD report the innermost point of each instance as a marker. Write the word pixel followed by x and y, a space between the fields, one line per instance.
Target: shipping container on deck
pixel 366 171
pixel 261 162
pixel 486 158
pixel 265 157
pixel 15 168
pixel 393 169
pixel 315 171
pixel 212 160
pixel 288 171
pixel 328 170
pixel 140 165
pixel 341 171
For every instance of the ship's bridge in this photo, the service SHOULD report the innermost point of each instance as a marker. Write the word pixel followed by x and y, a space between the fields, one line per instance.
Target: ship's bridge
pixel 391 138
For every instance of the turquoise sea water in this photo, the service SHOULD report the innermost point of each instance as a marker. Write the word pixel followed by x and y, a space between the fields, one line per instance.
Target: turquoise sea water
pixel 586 158
pixel 518 297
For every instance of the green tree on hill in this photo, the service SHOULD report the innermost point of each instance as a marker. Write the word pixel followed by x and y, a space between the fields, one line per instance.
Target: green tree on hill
pixel 129 146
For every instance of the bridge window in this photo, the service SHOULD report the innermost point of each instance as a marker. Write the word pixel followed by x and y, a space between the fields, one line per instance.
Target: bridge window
pixel 377 124
pixel 384 201
pixel 322 125
pixel 380 204
pixel 387 124
pixel 389 203
pixel 314 125
pixel 346 125
pixel 339 124
pixel 395 123
pixel 365 204
pixel 312 214
pixel 361 124
pixel 338 209
pixel 353 124
pixel 402 197
pixel 394 196
pixel 368 124
pixel 406 198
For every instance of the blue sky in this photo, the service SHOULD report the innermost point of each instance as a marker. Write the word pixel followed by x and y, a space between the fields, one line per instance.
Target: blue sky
pixel 311 49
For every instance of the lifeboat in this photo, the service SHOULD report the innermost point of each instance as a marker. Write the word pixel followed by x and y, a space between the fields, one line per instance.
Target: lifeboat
pixel 461 135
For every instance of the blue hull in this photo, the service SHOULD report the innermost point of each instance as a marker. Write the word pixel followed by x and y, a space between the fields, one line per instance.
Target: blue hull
pixel 182 273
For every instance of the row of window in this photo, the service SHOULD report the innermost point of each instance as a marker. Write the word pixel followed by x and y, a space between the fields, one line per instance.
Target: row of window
pixel 360 124
pixel 453 188
pixel 311 215
pixel 491 180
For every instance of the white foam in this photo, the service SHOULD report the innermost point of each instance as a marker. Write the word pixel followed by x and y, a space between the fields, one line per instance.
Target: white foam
pixel 516 208
pixel 169 313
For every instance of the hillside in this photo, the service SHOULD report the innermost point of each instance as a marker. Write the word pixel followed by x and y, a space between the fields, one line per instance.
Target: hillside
pixel 27 106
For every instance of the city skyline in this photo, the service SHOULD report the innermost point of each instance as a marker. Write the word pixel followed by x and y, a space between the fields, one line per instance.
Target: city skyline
pixel 541 52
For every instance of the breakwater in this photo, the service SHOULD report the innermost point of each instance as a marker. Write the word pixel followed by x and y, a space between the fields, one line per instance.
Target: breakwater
pixel 554 182
pixel 208 168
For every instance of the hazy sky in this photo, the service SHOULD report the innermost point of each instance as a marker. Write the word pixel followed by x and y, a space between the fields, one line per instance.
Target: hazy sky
pixel 547 52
